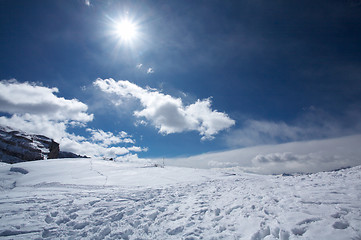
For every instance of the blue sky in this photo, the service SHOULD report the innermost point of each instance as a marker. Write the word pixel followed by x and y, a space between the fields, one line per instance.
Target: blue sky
pixel 198 77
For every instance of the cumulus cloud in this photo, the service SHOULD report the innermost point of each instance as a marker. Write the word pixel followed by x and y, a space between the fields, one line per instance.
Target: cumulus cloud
pixel 35 124
pixel 58 130
pixel 108 138
pixel 137 149
pixel 28 98
pixel 304 156
pixel 36 109
pixel 150 70
pixel 71 143
pixel 168 114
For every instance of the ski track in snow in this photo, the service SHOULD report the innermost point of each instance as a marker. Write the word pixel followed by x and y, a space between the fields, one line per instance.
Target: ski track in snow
pixel 231 206
pixel 98 172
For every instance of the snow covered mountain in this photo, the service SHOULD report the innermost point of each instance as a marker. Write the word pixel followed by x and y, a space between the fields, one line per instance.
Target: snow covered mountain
pixel 96 199
pixel 18 146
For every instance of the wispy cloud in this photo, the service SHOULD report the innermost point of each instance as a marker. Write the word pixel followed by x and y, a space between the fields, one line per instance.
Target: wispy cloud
pixel 312 124
pixel 307 156
pixel 140 122
pixel 255 132
pixel 150 70
pixel 36 109
pixel 87 2
pixel 169 114
pixel 316 141
pixel 144 69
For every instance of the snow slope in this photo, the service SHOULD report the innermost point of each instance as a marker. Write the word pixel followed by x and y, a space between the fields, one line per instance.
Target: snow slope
pixel 95 199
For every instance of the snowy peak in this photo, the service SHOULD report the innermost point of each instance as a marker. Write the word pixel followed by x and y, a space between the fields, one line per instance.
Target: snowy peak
pixel 17 146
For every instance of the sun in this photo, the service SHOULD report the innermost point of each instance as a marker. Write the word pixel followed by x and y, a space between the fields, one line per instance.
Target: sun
pixel 126 30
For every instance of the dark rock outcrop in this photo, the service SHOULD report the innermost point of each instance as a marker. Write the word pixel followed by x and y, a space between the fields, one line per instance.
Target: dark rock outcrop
pixel 63 154
pixel 17 146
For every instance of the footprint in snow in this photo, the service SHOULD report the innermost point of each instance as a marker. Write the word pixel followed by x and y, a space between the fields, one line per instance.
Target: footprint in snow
pixel 299 231
pixel 280 234
pixel 80 225
pixel 54 214
pixel 217 212
pixel 341 213
pixel 308 221
pixel 122 235
pixel 62 220
pixel 234 208
pixel 153 216
pixel 116 217
pixel 175 230
pixel 48 219
pixel 72 210
pixel 340 225
pixel 91 203
pixel 261 234
pixel 106 231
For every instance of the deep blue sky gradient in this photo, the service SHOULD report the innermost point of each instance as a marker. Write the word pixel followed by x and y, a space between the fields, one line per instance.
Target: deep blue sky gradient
pixel 263 60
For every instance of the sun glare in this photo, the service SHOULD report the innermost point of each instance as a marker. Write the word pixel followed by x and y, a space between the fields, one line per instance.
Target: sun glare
pixel 126 30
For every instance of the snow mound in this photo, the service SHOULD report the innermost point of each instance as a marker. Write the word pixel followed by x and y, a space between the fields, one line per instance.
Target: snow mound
pixel 94 199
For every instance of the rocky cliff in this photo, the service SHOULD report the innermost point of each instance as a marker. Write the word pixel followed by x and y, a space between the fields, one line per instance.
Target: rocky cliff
pixel 17 146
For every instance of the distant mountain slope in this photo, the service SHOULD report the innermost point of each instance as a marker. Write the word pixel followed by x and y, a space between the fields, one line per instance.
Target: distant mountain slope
pixel 18 146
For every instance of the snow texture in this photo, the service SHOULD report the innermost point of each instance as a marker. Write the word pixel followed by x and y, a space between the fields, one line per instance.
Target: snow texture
pixel 95 199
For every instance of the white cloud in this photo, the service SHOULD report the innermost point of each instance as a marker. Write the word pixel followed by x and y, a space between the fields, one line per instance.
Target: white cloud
pixel 150 70
pixel 139 66
pixel 140 122
pixel 108 138
pixel 28 98
pixel 37 110
pixel 87 2
pixel 72 144
pixel 307 156
pixel 168 114
pixel 211 121
pixel 57 130
pixel 133 158
pixel 312 124
pixel 137 149
pixel 35 124
pixel 256 132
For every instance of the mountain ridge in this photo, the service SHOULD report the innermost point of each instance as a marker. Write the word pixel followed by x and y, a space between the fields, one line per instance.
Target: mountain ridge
pixel 18 146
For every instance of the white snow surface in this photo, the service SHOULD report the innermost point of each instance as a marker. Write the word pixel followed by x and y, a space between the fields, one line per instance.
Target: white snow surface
pixel 97 199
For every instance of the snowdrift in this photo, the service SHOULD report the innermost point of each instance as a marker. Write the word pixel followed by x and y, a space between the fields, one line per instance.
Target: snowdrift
pixel 96 199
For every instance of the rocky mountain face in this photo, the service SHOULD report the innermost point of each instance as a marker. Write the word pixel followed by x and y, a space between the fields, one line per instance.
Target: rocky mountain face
pixel 17 146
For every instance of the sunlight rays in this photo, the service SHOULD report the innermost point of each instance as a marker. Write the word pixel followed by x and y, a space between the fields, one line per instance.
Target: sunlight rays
pixel 126 30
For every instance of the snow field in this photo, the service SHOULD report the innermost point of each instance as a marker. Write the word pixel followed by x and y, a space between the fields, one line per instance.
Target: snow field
pixel 106 200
